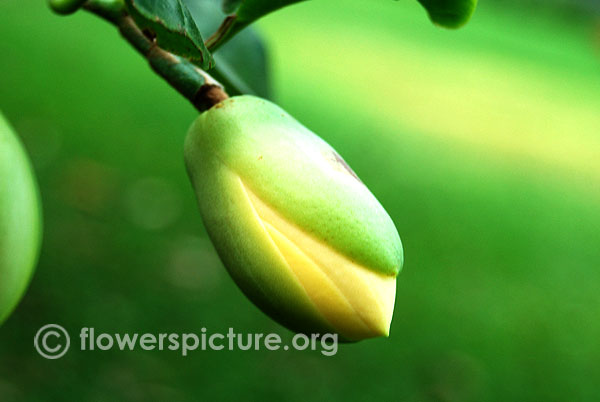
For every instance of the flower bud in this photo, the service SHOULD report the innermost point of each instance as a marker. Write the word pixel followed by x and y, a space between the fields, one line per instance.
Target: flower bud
pixel 19 221
pixel 297 230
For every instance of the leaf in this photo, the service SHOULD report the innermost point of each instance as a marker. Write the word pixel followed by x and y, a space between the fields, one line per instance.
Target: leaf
pixel 240 64
pixel 449 13
pixel 174 27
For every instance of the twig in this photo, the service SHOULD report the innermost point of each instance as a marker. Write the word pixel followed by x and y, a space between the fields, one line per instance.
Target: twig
pixel 195 84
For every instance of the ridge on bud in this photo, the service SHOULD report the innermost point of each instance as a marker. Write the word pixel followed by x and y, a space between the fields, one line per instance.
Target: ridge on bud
pixel 297 230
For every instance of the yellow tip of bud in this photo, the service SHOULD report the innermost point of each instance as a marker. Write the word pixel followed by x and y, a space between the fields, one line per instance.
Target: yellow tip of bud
pixel 358 303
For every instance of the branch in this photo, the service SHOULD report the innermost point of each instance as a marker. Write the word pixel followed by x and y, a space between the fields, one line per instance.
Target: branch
pixel 193 83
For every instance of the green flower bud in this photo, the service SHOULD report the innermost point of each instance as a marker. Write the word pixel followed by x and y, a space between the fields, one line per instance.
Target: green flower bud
pixel 297 230
pixel 19 221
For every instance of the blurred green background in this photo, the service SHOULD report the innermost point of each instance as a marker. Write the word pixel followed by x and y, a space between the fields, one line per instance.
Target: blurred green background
pixel 483 144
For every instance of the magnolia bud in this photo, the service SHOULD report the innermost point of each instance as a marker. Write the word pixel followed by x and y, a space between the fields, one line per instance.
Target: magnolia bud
pixel 19 220
pixel 298 231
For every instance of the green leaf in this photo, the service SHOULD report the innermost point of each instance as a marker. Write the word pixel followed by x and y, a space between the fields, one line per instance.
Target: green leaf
pixel 174 27
pixel 240 64
pixel 449 13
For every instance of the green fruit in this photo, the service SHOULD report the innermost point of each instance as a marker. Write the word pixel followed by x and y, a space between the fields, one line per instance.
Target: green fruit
pixel 19 220
pixel 297 230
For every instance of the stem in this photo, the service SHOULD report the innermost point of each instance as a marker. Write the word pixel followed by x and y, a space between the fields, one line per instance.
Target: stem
pixel 193 83
pixel 222 34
